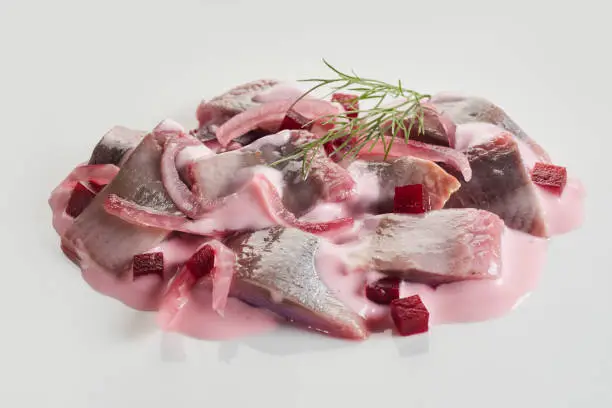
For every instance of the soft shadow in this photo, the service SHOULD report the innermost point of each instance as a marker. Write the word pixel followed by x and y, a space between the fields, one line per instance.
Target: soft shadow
pixel 139 325
pixel 186 115
pixel 228 350
pixel 283 342
pixel 412 345
pixel 173 348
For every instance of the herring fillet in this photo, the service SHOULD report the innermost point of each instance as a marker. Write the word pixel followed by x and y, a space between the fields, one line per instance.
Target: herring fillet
pixel 468 109
pixel 275 269
pixel 115 145
pixel 501 184
pixel 437 183
pixel 439 247
pixel 110 241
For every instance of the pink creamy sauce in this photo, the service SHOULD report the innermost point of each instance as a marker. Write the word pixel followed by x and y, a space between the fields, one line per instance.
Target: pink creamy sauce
pixel 197 318
pixel 523 257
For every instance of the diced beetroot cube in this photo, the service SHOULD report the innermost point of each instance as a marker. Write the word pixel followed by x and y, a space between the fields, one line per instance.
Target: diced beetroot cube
pixel 410 199
pixel 295 121
pixel 383 291
pixel 549 176
pixel 349 102
pixel 147 264
pixel 95 186
pixel 202 262
pixel 331 147
pixel 79 200
pixel 410 315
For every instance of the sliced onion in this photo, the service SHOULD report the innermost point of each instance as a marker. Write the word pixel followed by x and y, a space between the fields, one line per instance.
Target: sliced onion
pixel 272 112
pixel 425 151
pixel 277 211
pixel 181 195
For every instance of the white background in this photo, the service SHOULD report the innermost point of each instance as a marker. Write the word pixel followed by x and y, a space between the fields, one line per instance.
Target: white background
pixel 70 70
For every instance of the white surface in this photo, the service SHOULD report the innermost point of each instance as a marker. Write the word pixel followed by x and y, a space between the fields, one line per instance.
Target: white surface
pixel 70 70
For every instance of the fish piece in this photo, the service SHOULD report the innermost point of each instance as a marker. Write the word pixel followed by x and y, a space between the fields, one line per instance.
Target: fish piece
pixel 468 109
pixel 109 241
pixel 439 247
pixel 380 150
pixel 218 176
pixel 214 113
pixel 386 176
pixel 438 128
pixel 116 145
pixel 238 99
pixel 501 184
pixel 275 269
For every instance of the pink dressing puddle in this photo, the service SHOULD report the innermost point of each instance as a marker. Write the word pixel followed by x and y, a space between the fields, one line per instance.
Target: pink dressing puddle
pixel 197 318
pixel 143 293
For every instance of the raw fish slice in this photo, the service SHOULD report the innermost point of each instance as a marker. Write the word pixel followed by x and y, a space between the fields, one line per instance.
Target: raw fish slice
pixel 501 185
pixel 116 145
pixel 237 100
pixel 437 183
pixel 220 109
pixel 466 109
pixel 110 241
pixel 399 148
pixel 218 176
pixel 275 270
pixel 438 129
pixel 440 247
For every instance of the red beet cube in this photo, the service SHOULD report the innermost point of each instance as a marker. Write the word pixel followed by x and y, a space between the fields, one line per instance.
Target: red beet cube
pixel 549 176
pixel 410 315
pixel 384 290
pixel 295 121
pixel 410 199
pixel 202 262
pixel 147 264
pixel 79 200
pixel 336 146
pixel 349 102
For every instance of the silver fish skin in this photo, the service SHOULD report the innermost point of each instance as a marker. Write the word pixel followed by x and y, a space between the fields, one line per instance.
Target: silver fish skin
pixel 469 109
pixel 438 247
pixel 275 269
pixel 110 241
pixel 116 145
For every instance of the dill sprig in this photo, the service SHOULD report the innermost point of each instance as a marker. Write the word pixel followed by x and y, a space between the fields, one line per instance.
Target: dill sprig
pixel 371 125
